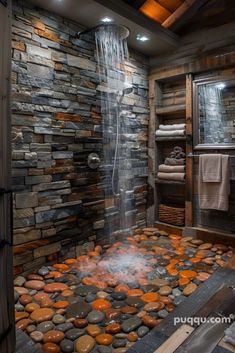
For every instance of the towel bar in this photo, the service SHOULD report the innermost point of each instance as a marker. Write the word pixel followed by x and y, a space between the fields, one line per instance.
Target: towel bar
pixel 191 155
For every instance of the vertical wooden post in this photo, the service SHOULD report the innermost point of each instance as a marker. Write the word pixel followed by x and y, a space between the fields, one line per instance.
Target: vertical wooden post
pixel 189 149
pixel 151 212
pixel 7 335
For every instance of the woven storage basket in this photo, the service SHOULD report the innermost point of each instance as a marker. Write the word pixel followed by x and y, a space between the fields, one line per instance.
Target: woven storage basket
pixel 172 214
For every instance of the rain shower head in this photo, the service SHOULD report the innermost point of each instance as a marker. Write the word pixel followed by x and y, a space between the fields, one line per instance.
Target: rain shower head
pixel 120 30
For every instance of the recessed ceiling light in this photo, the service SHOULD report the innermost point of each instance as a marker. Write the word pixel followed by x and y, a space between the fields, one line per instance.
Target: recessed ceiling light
pixel 220 85
pixel 106 20
pixel 142 38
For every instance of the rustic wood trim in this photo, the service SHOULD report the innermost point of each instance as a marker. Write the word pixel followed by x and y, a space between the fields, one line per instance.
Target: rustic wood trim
pixel 189 149
pixel 175 340
pixel 178 13
pixel 203 64
pixel 151 211
pixel 169 228
pixel 7 321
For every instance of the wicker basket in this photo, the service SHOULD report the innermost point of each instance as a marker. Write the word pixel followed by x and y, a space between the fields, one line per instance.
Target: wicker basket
pixel 172 215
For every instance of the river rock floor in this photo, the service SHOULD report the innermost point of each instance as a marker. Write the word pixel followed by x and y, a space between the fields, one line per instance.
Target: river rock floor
pixel 106 300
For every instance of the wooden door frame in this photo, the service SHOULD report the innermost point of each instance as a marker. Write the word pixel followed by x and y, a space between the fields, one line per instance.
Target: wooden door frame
pixel 7 322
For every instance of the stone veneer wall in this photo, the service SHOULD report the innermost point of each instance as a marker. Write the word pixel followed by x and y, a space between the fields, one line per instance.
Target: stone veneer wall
pixel 56 123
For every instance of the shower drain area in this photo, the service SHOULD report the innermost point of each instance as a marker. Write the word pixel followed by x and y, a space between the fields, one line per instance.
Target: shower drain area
pixel 112 297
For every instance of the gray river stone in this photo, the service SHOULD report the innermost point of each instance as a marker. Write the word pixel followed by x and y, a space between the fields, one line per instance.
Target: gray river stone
pixel 95 317
pixel 131 324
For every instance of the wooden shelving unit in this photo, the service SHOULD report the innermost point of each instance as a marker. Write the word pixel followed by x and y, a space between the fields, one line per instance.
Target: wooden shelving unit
pixel 169 110
pixel 170 103
pixel 169 182
pixel 172 139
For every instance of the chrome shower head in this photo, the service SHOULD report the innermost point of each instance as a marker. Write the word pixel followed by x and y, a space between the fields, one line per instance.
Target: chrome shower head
pixel 120 30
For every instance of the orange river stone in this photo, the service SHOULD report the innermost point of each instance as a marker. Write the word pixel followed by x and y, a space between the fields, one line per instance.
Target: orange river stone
pixel 40 315
pixel 80 323
pixel 183 281
pixel 121 288
pixel 32 307
pixel 188 274
pixel 63 304
pixel 93 330
pixel 155 306
pixel 21 290
pixel 19 315
pixel 84 344
pixel 25 299
pixel 150 321
pixel 51 348
pixel 113 328
pixel 135 293
pixel 39 296
pixel 132 337
pixel 53 336
pixel 67 293
pixel 150 297
pixel 55 287
pixel 203 276
pixel 129 310
pixel 70 261
pixel 101 304
pixel 61 267
pixel 189 289
pixel 104 339
pixel 34 284
pixel 22 324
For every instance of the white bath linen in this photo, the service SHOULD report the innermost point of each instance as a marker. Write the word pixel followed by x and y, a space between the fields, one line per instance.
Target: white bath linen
pixel 172 127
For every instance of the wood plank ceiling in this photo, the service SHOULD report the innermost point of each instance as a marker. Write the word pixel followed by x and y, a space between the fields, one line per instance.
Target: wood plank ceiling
pixel 165 12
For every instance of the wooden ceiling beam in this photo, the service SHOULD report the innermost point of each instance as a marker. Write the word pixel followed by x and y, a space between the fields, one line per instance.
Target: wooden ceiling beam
pixel 155 11
pixel 178 13
pixel 183 14
pixel 170 5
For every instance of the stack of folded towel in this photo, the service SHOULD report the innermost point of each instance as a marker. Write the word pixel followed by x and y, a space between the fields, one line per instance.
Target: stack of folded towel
pixel 171 130
pixel 174 166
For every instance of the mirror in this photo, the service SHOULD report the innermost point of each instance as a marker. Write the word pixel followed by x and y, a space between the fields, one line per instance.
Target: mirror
pixel 214 114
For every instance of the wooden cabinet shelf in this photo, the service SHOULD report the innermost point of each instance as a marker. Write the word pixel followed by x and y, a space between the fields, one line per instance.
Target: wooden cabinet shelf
pixel 169 182
pixel 173 138
pixel 170 103
pixel 171 110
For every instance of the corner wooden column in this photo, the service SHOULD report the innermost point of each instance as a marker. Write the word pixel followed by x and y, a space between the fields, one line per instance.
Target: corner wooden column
pixel 189 149
pixel 7 331
pixel 151 212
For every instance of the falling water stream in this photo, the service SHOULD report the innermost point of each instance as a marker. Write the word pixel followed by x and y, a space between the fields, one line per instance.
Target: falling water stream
pixel 112 51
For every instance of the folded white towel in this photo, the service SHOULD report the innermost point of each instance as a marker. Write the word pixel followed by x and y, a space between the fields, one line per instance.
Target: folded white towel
pixel 171 176
pixel 165 133
pixel 171 168
pixel 172 127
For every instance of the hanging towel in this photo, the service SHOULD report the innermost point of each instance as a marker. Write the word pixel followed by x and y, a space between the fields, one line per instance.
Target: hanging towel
pixel 171 176
pixel 165 133
pixel 215 195
pixel 171 168
pixel 211 168
pixel 172 127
